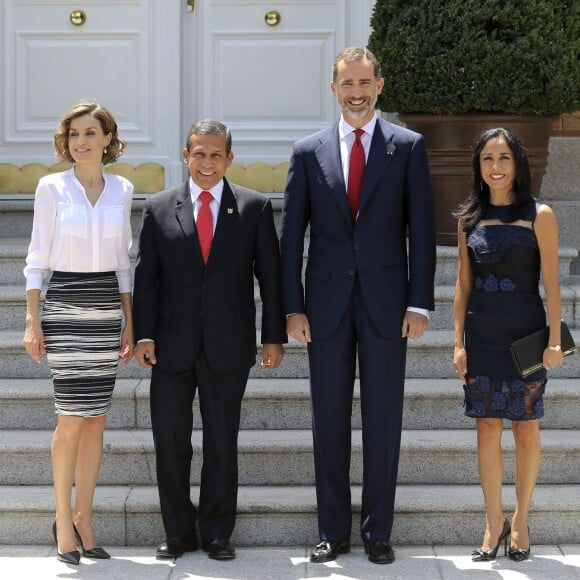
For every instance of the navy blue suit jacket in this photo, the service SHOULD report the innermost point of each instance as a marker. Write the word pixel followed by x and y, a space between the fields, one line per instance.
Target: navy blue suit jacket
pixel 391 247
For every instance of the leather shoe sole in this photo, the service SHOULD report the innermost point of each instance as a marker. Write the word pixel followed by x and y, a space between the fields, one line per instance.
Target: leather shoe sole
pixel 327 551
pixel 380 552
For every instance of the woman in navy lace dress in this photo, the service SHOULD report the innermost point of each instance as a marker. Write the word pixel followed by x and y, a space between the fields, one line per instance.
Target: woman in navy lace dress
pixel 505 240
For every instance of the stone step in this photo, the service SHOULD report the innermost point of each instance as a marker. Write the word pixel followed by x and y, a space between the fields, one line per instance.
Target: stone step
pixel 13 252
pixel 429 357
pixel 284 457
pixel 279 404
pixel 286 515
pixel 13 306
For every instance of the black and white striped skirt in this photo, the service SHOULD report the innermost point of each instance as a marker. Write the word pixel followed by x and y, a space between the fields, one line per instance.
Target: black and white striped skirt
pixel 81 322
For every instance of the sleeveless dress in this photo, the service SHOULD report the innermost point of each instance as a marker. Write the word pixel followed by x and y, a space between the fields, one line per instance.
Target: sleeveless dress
pixel 504 305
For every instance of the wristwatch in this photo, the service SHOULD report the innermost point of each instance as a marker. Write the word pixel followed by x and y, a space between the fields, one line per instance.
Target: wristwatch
pixel 555 348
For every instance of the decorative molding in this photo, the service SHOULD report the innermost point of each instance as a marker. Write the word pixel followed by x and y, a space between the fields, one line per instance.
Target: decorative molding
pixel 146 178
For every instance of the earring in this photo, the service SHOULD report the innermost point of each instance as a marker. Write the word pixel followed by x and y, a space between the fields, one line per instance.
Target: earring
pixel 481 184
pixel 105 151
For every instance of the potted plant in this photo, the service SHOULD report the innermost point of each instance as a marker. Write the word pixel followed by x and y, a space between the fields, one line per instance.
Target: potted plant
pixel 455 67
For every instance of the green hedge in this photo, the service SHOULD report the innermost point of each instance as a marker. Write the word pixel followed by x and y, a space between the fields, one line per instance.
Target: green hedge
pixel 496 56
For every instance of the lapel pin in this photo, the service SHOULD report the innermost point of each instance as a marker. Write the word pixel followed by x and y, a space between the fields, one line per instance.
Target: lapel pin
pixel 230 210
pixel 390 149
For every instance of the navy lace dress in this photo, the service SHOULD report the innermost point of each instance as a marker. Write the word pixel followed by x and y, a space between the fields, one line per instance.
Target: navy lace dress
pixel 504 305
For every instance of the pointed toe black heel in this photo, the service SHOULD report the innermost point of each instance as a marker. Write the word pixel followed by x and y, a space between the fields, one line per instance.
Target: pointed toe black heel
pixel 73 557
pixel 480 555
pixel 96 553
pixel 520 554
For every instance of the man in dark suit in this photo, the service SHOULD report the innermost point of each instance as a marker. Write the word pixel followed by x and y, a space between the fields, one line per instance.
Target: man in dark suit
pixel 365 195
pixel 201 244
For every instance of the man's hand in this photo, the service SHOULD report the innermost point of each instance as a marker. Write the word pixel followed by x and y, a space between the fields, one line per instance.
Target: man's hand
pixel 414 325
pixel 144 353
pixel 272 355
pixel 298 327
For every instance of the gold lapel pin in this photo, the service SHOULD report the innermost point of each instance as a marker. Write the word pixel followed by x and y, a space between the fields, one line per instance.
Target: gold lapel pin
pixel 230 210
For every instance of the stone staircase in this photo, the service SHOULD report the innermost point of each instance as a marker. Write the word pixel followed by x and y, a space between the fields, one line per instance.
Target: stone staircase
pixel 438 498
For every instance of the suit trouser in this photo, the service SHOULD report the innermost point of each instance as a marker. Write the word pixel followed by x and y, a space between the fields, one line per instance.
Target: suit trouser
pixel 332 374
pixel 220 398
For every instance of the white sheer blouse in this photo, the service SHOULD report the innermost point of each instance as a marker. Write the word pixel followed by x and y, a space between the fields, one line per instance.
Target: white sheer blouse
pixel 71 235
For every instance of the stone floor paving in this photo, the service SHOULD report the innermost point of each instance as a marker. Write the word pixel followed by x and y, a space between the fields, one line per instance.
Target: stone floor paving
pixel 412 563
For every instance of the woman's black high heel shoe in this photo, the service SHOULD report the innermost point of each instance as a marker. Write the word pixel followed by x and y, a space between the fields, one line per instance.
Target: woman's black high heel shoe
pixel 73 557
pixel 520 554
pixel 97 553
pixel 480 555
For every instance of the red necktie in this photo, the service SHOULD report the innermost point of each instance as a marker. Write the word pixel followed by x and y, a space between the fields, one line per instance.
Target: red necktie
pixel 356 169
pixel 204 225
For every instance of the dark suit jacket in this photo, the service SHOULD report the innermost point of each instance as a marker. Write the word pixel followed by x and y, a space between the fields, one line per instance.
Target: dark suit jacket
pixel 396 200
pixel 182 304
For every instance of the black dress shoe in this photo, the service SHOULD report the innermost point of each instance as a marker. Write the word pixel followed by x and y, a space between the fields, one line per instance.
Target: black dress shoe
pixel 173 548
pixel 73 557
pixel 327 551
pixel 96 553
pixel 380 552
pixel 218 549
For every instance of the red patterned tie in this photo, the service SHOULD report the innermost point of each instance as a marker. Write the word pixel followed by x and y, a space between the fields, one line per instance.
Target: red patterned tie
pixel 356 169
pixel 204 225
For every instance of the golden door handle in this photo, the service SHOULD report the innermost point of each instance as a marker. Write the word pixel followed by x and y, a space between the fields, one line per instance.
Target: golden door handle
pixel 190 5
pixel 272 18
pixel 78 17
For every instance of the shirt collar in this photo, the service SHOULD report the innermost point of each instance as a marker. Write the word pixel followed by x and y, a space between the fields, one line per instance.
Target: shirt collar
pixel 216 190
pixel 344 129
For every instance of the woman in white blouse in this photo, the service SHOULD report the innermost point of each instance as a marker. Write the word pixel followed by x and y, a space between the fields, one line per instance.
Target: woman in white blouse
pixel 82 234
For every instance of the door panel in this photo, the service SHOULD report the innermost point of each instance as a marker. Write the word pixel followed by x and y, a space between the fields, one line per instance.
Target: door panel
pixel 270 84
pixel 125 55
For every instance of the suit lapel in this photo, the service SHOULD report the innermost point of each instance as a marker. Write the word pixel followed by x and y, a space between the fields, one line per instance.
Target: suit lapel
pixel 328 156
pixel 380 156
pixel 184 217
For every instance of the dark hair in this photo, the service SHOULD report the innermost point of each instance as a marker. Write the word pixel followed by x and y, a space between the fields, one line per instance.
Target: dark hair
pixel 108 125
pixel 209 127
pixel 475 205
pixel 354 54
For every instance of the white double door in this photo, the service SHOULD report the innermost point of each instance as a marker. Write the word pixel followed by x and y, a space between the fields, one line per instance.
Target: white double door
pixel 261 67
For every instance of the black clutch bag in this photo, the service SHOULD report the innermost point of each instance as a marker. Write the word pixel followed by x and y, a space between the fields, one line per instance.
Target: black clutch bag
pixel 528 351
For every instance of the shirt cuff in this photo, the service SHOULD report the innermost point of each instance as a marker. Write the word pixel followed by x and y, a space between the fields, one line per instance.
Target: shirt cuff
pixel 34 278
pixel 422 311
pixel 124 279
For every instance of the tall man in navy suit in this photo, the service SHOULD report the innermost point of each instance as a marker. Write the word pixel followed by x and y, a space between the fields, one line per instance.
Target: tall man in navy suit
pixel 201 245
pixel 369 286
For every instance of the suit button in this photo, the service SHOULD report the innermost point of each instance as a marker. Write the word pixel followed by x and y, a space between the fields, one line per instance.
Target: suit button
pixel 351 272
pixel 357 246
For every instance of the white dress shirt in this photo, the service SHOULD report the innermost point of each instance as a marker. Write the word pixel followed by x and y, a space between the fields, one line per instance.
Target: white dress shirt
pixel 214 204
pixel 69 234
pixel 346 134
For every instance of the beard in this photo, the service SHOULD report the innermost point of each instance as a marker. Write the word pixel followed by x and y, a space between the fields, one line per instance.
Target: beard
pixel 358 113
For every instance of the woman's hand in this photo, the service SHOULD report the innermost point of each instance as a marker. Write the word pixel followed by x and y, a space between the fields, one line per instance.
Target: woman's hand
pixel 127 345
pixel 552 358
pixel 34 339
pixel 460 362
